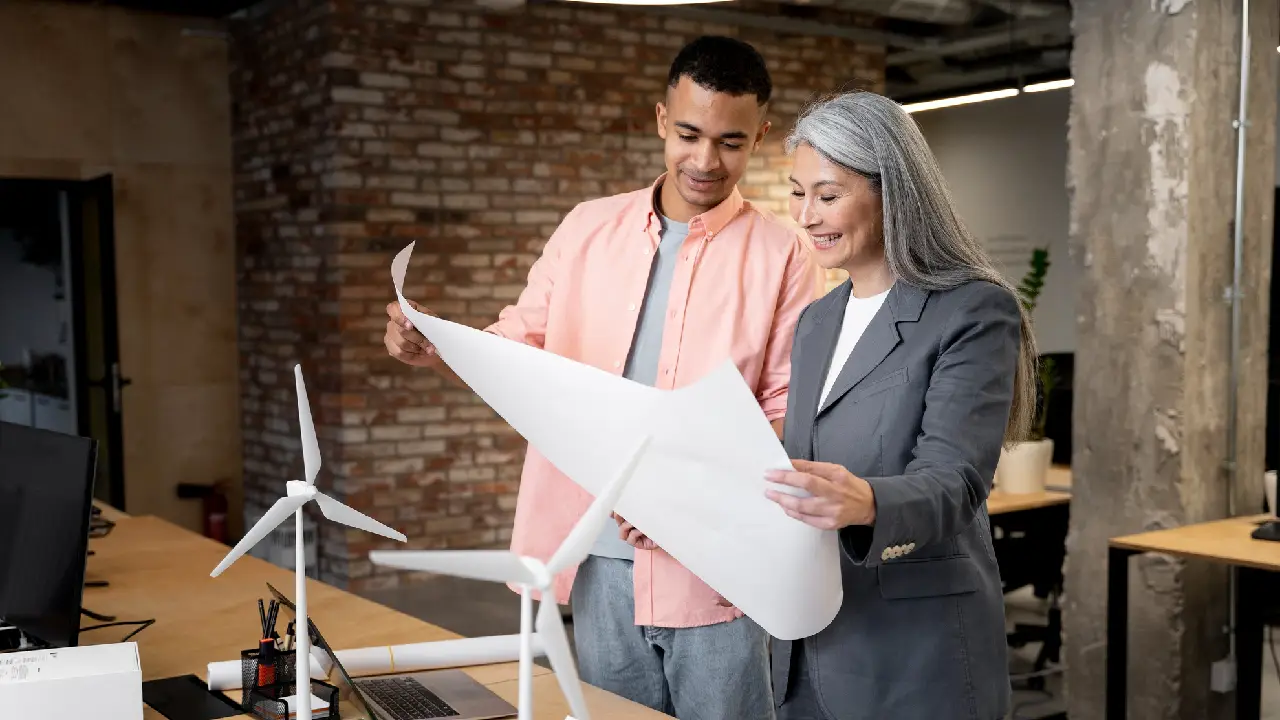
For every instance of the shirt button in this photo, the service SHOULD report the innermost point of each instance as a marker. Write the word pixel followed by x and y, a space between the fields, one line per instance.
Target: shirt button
pixel 617 364
pixel 632 306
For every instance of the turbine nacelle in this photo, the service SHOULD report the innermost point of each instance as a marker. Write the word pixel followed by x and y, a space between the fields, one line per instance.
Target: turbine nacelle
pixel 298 488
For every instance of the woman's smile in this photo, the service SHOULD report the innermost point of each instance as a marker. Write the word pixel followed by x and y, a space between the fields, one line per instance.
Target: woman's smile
pixel 825 241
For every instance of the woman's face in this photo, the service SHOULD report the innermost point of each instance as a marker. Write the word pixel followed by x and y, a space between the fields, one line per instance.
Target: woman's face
pixel 839 210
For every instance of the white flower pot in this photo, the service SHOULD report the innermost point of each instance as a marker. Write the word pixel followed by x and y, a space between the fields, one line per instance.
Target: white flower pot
pixel 1023 468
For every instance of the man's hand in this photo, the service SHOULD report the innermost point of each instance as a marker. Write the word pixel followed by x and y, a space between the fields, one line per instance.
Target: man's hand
pixel 632 536
pixel 410 347
pixel 640 541
pixel 404 342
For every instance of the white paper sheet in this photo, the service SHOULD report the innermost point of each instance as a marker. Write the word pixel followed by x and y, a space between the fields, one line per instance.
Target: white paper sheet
pixel 462 652
pixel 699 490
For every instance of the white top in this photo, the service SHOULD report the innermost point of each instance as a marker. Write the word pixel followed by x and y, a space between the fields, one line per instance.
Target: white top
pixel 857 316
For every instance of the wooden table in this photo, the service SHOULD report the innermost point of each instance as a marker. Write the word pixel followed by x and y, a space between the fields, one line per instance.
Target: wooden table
pixel 999 502
pixel 1221 541
pixel 159 570
pixel 1057 491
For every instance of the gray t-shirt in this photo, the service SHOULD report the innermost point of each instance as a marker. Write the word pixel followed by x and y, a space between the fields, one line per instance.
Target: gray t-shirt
pixel 646 347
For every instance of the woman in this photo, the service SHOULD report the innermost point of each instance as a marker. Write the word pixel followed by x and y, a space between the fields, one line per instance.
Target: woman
pixel 904 381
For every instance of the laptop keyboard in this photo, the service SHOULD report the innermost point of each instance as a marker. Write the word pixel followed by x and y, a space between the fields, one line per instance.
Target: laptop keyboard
pixel 406 699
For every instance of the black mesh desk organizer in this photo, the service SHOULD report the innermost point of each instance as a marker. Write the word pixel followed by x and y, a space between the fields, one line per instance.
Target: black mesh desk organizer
pixel 267 700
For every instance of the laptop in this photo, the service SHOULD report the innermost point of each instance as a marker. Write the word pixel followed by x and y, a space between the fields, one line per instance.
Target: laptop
pixel 405 696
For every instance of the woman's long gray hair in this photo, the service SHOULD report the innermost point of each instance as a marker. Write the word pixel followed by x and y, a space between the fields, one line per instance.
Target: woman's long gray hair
pixel 925 242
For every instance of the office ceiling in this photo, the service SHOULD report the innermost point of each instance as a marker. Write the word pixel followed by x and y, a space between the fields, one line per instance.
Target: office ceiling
pixel 190 8
pixel 933 47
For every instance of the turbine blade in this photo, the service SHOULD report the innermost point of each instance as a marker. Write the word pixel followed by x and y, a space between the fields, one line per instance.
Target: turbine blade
pixel 556 644
pixel 310 446
pixel 278 513
pixel 578 543
pixel 340 513
pixel 501 566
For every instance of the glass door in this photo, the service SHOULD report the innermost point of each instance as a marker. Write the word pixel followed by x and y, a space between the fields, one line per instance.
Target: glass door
pixel 37 340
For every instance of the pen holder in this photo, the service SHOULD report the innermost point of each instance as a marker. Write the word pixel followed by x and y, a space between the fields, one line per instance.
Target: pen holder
pixel 268 702
pixel 283 666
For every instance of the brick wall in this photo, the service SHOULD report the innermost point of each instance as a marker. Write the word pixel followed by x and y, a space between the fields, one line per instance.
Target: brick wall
pixel 287 294
pixel 375 123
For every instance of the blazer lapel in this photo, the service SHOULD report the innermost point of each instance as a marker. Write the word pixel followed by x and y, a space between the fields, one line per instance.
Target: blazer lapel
pixel 814 363
pixel 903 304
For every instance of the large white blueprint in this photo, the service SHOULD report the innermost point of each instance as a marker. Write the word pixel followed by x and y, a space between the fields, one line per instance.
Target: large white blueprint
pixel 698 491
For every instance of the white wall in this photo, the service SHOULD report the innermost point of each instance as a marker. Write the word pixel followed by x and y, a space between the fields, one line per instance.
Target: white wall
pixel 1006 164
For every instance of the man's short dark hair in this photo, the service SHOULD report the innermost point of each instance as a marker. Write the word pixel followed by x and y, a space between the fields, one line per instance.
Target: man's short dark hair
pixel 723 64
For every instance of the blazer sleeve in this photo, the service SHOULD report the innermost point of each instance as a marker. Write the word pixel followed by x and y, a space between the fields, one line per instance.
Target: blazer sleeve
pixel 966 410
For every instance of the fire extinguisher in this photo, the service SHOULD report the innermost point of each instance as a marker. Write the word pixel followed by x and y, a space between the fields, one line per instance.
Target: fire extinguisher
pixel 213 501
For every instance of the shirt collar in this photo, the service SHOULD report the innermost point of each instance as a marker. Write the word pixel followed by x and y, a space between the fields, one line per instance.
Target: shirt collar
pixel 711 222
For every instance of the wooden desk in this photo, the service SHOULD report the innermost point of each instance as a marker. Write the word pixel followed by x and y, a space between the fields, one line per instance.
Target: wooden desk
pixel 1057 491
pixel 1059 478
pixel 109 512
pixel 999 502
pixel 1222 541
pixel 159 570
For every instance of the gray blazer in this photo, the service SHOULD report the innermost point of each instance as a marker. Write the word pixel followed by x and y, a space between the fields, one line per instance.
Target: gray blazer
pixel 919 411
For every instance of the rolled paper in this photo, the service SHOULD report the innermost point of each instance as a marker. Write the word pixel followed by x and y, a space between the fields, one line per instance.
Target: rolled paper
pixel 397 658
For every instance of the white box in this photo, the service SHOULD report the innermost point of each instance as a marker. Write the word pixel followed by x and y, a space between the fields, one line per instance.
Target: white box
pixel 76 683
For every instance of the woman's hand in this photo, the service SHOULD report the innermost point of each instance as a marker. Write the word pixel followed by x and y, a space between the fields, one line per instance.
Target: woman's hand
pixel 840 498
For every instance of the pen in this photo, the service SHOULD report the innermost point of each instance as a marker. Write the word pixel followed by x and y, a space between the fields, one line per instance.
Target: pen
pixel 271 618
pixel 262 617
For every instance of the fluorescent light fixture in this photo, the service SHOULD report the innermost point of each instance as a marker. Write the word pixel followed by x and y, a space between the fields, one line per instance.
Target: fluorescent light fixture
pixel 960 100
pixel 1051 85
pixel 649 2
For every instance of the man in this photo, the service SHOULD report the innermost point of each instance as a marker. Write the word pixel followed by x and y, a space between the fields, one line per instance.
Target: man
pixel 660 285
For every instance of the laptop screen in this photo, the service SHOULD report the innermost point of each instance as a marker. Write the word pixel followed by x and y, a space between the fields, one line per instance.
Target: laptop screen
pixel 351 704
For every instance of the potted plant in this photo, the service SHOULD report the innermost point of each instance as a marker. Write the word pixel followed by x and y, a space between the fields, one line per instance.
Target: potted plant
pixel 1024 466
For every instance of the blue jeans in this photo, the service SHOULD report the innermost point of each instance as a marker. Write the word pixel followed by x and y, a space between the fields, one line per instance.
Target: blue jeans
pixel 714 672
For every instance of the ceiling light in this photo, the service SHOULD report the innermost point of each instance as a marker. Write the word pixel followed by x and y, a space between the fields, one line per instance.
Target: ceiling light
pixel 649 2
pixel 960 100
pixel 1051 85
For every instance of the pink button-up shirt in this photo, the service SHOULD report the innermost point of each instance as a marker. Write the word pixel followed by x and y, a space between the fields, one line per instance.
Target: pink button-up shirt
pixel 742 278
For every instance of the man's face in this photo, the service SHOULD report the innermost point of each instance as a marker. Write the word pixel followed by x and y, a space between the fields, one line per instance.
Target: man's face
pixel 709 137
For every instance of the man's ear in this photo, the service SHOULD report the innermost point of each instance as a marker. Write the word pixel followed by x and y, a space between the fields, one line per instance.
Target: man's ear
pixel 660 110
pixel 764 130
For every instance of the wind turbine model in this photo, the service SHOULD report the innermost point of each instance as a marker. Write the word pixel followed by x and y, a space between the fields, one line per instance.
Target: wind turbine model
pixel 299 494
pixel 507 567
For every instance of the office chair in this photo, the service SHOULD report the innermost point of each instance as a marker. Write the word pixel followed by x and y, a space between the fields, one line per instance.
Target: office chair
pixel 1030 550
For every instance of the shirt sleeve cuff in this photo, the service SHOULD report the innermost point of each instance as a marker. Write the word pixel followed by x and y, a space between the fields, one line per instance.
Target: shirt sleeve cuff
pixel 774 408
pixel 869 546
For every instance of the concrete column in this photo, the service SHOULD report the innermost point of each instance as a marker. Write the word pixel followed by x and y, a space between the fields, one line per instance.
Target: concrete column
pixel 1151 172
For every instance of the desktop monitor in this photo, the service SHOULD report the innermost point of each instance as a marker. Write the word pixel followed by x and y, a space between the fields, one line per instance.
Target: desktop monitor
pixel 46 499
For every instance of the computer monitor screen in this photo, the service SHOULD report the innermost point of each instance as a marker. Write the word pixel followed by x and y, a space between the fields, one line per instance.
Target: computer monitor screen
pixel 46 499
